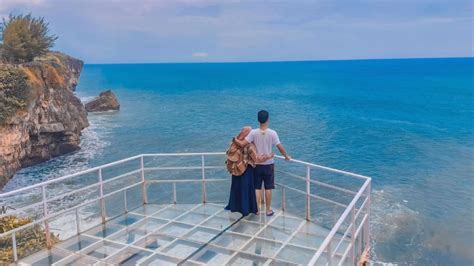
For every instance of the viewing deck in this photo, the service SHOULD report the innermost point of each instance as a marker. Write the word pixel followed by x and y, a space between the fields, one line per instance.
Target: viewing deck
pixel 168 209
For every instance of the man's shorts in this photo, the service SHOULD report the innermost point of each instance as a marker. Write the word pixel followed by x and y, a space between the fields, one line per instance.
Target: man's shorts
pixel 264 173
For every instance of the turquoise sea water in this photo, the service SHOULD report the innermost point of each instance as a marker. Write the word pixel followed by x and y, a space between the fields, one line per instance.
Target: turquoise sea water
pixel 406 123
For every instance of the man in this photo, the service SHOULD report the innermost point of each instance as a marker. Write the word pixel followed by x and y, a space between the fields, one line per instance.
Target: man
pixel 264 139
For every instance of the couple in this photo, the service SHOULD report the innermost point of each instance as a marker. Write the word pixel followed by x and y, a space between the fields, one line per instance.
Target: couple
pixel 250 161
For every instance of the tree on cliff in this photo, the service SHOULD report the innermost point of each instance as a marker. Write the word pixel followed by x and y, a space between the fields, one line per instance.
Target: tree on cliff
pixel 24 37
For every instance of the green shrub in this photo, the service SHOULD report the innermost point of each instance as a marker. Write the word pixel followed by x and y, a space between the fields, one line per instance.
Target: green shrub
pixel 13 91
pixel 28 241
pixel 24 38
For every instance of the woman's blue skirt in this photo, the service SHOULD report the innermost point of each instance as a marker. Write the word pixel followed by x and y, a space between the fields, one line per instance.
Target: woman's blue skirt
pixel 242 193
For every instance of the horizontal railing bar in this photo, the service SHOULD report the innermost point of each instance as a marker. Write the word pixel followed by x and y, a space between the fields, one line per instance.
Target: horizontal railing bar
pixel 70 193
pixel 359 228
pixel 68 176
pixel 184 180
pixel 346 233
pixel 325 168
pixel 311 195
pixel 182 154
pixel 320 183
pixel 344 256
pixel 182 168
pixel 120 190
pixel 339 222
pixel 362 206
pixel 160 155
pixel 92 185
pixel 328 200
pixel 360 225
pixel 53 215
pixel 346 252
pixel 290 188
pixel 46 218
pixel 15 211
pixel 120 176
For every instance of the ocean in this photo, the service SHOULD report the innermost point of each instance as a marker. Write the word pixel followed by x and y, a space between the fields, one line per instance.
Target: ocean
pixel 408 123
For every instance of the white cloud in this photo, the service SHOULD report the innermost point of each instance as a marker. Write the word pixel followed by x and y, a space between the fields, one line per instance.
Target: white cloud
pixel 200 54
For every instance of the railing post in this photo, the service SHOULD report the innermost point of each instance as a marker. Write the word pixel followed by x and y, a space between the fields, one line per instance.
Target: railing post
pixel 78 226
pixel 174 192
pixel 329 253
pixel 367 221
pixel 15 253
pixel 144 190
pixel 45 215
pixel 308 191
pixel 102 200
pixel 125 200
pixel 353 232
pixel 204 194
pixel 283 199
pixel 359 243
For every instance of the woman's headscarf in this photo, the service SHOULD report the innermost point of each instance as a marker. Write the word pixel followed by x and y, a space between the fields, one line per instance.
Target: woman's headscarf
pixel 244 133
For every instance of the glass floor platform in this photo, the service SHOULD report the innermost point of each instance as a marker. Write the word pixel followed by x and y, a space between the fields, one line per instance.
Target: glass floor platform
pixel 190 234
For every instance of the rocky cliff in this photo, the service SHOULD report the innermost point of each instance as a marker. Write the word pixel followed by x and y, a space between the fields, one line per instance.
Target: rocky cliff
pixel 107 101
pixel 46 118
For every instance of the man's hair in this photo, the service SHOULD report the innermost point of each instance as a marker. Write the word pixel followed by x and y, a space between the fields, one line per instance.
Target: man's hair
pixel 262 116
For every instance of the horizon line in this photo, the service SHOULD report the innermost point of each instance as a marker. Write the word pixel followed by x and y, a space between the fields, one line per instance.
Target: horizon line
pixel 282 61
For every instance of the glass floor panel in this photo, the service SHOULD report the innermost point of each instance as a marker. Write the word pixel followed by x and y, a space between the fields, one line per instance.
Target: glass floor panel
pixel 154 241
pixel 245 259
pixel 128 236
pixel 149 224
pixel 212 256
pixel 262 247
pixel 160 260
pixel 129 256
pixel 169 213
pixel 286 222
pixel 245 227
pixel 175 229
pixel 296 255
pixel 148 209
pixel 193 218
pixel 45 257
pixel 262 218
pixel 78 243
pixel 307 240
pixel 77 260
pixel 275 233
pixel 170 234
pixel 208 209
pixel 102 250
pixel 103 230
pixel 219 223
pixel 181 249
pixel 126 219
pixel 229 240
pixel 201 234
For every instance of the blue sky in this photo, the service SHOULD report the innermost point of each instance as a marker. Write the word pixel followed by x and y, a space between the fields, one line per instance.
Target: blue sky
pixel 115 31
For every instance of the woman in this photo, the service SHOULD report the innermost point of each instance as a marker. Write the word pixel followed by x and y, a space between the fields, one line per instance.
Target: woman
pixel 242 191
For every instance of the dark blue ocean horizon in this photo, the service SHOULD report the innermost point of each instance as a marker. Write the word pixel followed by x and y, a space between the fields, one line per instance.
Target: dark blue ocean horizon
pixel 408 123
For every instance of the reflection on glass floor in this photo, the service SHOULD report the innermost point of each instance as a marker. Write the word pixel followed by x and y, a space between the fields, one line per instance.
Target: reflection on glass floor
pixel 189 234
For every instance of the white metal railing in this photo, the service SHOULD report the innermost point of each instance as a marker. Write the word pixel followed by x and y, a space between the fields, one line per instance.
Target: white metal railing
pixel 354 231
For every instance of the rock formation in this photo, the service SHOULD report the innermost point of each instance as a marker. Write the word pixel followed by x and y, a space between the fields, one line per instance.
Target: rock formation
pixel 106 101
pixel 50 121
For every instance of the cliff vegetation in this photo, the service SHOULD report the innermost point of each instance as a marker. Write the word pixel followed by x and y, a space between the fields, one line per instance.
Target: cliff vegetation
pixel 28 241
pixel 13 91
